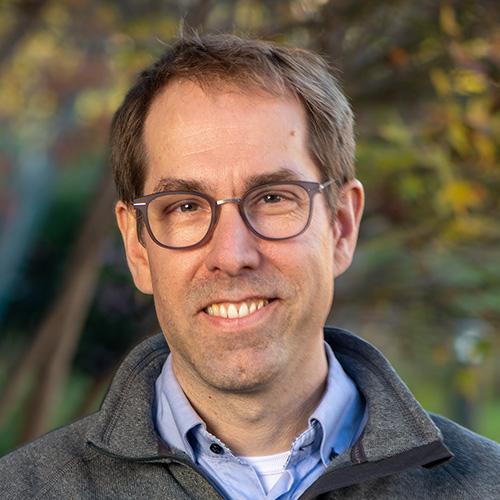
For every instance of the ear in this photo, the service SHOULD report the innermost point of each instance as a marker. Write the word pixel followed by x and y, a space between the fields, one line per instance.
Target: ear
pixel 346 226
pixel 137 254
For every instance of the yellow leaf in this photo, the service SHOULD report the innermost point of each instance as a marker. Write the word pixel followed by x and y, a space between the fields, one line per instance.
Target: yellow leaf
pixel 440 81
pixel 458 138
pixel 448 21
pixel 461 196
pixel 466 82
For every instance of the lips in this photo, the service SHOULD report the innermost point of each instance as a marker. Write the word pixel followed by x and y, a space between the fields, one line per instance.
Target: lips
pixel 236 310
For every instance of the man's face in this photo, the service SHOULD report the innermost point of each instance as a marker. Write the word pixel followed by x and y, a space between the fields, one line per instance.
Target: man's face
pixel 224 142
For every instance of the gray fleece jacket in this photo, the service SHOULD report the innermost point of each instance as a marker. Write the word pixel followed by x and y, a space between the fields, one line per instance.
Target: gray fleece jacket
pixel 115 453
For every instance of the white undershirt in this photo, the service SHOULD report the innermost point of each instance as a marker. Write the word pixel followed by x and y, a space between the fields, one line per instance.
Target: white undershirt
pixel 269 468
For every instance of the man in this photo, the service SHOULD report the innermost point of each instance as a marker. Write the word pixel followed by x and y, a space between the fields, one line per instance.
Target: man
pixel 238 208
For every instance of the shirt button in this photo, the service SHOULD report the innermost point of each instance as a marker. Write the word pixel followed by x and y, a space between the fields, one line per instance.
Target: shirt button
pixel 217 449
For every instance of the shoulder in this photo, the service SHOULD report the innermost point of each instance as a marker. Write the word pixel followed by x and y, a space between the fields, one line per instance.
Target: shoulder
pixel 476 462
pixel 61 461
pixel 465 443
pixel 27 471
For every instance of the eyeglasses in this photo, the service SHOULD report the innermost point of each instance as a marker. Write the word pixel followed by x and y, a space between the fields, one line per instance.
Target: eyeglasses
pixel 274 211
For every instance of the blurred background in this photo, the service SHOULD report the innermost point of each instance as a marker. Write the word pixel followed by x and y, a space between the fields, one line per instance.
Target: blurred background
pixel 423 78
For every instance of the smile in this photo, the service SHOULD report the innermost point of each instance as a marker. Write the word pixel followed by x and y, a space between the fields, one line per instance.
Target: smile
pixel 238 310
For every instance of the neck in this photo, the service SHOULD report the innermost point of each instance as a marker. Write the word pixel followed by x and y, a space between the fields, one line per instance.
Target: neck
pixel 264 421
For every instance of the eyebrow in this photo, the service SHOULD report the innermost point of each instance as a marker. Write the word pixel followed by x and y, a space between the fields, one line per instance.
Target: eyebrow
pixel 281 175
pixel 175 184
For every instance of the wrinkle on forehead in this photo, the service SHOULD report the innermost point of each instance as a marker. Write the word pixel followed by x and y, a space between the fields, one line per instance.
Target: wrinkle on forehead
pixel 180 91
pixel 207 139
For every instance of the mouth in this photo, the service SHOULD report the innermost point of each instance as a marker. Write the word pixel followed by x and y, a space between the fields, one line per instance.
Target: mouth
pixel 235 310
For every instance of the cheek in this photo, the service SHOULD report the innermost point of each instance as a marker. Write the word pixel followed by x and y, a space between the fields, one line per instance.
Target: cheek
pixel 319 254
pixel 172 271
pixel 306 261
pixel 321 234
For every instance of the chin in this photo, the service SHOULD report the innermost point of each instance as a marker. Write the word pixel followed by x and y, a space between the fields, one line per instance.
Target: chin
pixel 240 378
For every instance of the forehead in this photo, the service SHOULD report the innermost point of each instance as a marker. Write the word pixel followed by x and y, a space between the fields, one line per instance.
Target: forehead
pixel 219 133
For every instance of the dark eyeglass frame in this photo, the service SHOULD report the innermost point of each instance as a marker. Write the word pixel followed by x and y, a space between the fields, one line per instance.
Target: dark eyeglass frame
pixel 141 205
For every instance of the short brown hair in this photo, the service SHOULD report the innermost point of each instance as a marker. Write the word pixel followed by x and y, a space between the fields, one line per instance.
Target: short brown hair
pixel 221 59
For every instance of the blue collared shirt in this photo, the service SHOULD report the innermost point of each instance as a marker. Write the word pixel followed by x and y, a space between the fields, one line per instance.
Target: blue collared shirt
pixel 334 425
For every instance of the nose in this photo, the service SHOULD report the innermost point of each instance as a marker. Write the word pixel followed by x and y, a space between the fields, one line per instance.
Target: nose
pixel 232 247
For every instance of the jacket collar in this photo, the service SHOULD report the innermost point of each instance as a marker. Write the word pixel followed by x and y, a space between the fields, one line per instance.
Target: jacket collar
pixel 124 426
pixel 399 434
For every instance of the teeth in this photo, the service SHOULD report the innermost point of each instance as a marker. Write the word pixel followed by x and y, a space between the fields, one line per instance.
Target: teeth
pixel 243 310
pixel 232 312
pixel 223 311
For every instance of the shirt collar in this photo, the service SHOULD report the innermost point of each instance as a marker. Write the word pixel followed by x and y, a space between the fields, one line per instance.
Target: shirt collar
pixel 175 416
pixel 339 416
pixel 333 426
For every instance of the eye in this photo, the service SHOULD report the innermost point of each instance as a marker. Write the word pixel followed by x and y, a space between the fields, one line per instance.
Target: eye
pixel 179 207
pixel 187 207
pixel 271 198
pixel 276 200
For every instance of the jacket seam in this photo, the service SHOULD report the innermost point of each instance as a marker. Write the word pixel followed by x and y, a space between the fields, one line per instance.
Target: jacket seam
pixel 462 481
pixel 58 474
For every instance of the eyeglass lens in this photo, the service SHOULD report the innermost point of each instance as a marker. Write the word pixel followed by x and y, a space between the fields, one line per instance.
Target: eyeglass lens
pixel 274 212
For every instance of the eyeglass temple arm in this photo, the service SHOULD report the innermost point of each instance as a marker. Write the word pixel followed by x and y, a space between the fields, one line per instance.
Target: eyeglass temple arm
pixel 327 183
